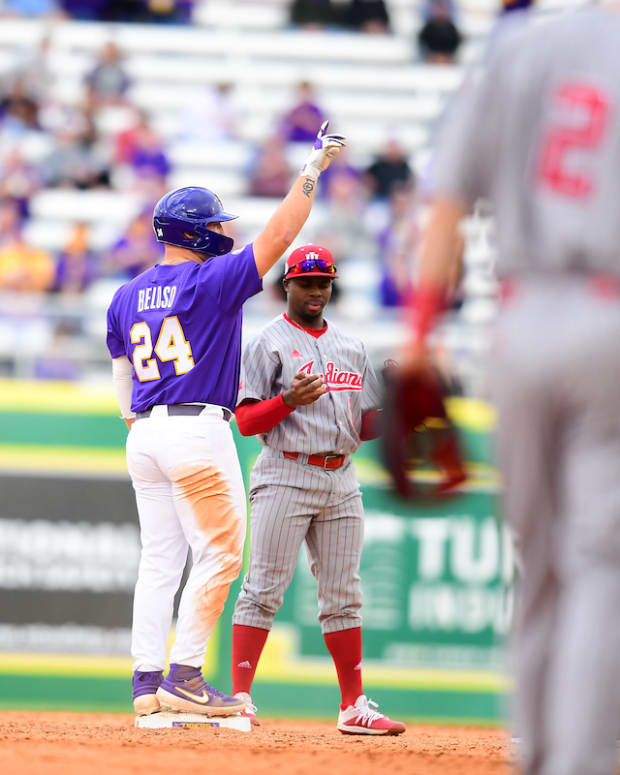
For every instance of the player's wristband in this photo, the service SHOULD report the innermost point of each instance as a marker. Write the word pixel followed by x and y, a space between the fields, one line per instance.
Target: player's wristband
pixel 425 308
pixel 261 416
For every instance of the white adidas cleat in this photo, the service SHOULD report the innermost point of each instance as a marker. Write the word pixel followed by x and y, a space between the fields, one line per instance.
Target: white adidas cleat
pixel 362 719
pixel 250 708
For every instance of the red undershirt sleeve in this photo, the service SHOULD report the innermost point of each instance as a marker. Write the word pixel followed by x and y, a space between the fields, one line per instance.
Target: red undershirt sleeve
pixel 370 425
pixel 261 416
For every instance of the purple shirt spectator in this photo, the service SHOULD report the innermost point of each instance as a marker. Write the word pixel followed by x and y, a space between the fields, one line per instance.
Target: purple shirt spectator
pixel 304 120
pixel 75 272
pixel 150 160
pixel 76 266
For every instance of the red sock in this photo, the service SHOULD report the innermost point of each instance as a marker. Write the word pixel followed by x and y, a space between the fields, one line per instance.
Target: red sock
pixel 247 646
pixel 345 647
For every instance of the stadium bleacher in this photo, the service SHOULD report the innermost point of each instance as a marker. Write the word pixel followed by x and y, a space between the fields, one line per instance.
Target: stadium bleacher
pixel 372 86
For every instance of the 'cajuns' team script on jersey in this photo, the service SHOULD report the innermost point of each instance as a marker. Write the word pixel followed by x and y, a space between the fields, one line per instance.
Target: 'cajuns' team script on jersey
pixel 165 321
pixel 332 423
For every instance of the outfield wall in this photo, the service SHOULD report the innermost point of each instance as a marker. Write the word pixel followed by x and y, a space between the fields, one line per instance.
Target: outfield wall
pixel 437 581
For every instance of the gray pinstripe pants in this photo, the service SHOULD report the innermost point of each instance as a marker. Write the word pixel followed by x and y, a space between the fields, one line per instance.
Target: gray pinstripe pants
pixel 292 502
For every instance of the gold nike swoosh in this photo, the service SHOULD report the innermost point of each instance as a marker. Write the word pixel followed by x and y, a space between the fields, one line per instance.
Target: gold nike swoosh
pixel 203 699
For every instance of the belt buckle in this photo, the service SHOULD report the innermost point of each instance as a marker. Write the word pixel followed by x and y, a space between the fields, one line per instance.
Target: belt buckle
pixel 330 457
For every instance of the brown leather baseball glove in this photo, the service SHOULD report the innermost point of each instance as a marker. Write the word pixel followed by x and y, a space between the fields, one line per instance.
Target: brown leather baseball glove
pixel 418 436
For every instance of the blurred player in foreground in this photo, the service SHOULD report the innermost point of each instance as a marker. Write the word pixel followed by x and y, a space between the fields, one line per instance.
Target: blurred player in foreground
pixel 537 132
pixel 174 333
pixel 311 394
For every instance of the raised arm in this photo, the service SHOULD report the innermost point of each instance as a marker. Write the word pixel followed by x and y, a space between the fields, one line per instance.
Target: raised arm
pixel 285 224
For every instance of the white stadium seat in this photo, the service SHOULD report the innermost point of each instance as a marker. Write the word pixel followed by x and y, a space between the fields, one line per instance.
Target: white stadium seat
pixel 90 206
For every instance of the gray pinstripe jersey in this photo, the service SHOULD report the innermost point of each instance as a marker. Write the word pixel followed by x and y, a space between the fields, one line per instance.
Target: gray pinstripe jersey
pixel 333 422
pixel 535 132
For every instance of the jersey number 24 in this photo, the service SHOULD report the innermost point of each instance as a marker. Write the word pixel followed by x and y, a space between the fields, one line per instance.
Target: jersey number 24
pixel 171 346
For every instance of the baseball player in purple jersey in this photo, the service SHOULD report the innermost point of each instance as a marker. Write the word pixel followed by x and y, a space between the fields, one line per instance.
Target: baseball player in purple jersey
pixel 537 133
pixel 310 393
pixel 174 333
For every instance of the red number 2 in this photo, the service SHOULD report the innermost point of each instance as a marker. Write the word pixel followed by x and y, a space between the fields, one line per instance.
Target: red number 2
pixel 561 139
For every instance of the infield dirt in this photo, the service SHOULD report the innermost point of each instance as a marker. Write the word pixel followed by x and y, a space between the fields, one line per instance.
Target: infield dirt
pixel 33 743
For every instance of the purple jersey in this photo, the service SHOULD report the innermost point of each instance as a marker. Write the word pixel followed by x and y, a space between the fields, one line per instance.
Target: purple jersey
pixel 180 326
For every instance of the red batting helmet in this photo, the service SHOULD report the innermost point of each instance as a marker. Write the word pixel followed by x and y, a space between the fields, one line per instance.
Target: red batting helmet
pixel 310 261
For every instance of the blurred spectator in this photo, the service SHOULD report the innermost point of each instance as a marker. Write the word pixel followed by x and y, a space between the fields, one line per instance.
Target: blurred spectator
pixel 141 148
pixel 127 140
pixel 29 8
pixel 516 5
pixel 312 14
pixel 163 11
pixel 169 11
pixel 56 117
pixel 340 223
pixel 60 360
pixel 76 162
pixel 23 267
pixel 398 243
pixel 19 180
pixel 117 10
pixel 108 82
pixel 32 71
pixel 389 168
pixel 150 187
pixel 341 165
pixel 136 250
pixel 211 116
pixel 84 10
pixel 11 218
pixel 368 16
pixel 19 110
pixel 142 162
pixel 20 127
pixel 76 266
pixel 439 38
pixel 304 119
pixel 270 173
pixel 445 8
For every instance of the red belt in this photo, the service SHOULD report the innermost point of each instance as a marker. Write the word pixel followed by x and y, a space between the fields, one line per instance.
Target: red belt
pixel 323 461
pixel 603 285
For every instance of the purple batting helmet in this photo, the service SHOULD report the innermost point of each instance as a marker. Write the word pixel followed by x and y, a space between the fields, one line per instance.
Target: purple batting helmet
pixel 182 218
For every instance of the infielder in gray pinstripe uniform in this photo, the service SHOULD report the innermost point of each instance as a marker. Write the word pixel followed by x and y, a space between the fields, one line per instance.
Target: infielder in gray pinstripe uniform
pixel 538 134
pixel 312 395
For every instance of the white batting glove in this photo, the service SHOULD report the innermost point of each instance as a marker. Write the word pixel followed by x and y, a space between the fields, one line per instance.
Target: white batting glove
pixel 325 148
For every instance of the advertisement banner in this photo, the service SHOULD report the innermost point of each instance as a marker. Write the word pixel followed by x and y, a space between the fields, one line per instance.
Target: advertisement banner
pixel 437 579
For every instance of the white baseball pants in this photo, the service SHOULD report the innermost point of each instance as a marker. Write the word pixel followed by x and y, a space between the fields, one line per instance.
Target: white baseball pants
pixel 190 494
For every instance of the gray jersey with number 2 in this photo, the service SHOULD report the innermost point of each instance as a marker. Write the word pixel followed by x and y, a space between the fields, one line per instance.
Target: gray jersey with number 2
pixel 538 133
pixel 534 132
